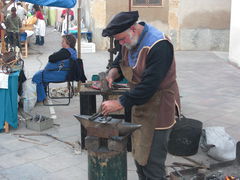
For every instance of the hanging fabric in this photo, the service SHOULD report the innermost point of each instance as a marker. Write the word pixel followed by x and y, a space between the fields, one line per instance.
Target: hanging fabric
pixel 54 3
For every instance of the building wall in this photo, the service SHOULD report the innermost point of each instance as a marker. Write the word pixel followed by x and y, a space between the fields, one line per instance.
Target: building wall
pixel 153 15
pixel 204 25
pixel 234 47
pixel 191 24
pixel 94 15
pixel 156 16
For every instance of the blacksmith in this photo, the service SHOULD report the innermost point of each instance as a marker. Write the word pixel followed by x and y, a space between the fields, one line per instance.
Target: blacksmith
pixel 147 62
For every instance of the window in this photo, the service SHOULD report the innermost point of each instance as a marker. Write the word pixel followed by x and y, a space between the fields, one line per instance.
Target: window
pixel 147 3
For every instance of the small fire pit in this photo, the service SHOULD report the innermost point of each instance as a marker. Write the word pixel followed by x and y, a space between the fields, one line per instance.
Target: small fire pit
pixel 231 178
pixel 229 170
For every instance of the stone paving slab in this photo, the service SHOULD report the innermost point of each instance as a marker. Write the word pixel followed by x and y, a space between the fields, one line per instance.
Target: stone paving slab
pixel 74 172
pixel 21 157
pixel 24 172
pixel 59 161
pixel 2 177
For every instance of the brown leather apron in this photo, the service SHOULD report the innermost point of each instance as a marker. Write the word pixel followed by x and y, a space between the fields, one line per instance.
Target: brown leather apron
pixel 147 116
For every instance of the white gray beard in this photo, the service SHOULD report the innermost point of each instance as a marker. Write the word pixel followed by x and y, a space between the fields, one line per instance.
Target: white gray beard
pixel 132 45
pixel 128 46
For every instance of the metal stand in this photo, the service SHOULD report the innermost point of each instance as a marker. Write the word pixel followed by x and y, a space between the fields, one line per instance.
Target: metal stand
pixel 107 146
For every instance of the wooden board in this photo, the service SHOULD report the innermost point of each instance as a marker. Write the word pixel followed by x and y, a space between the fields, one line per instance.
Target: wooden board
pixel 27 27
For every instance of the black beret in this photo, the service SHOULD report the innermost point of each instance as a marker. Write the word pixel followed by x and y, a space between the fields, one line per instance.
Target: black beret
pixel 121 22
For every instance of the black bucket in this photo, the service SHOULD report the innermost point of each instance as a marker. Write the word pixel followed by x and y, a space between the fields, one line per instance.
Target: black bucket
pixel 185 136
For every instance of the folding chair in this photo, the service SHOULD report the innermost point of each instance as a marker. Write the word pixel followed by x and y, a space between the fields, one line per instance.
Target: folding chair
pixel 70 87
pixel 75 73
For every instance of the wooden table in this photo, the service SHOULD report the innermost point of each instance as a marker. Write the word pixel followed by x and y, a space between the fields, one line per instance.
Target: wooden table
pixel 27 27
pixel 24 44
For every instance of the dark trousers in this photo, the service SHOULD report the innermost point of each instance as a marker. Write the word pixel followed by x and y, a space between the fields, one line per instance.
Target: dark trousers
pixel 13 39
pixel 155 168
pixel 39 40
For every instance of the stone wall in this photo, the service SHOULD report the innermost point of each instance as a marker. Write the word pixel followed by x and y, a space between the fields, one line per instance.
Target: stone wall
pixel 191 24
pixel 234 47
pixel 204 25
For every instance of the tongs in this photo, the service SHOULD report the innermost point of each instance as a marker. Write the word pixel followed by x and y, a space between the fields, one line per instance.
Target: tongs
pixel 98 114
pixel 95 116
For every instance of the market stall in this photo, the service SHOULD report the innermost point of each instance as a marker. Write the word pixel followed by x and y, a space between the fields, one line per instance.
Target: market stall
pixel 9 104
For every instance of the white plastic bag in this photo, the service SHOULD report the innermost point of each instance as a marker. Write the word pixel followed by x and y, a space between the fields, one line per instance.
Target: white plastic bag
pixel 218 144
pixel 29 95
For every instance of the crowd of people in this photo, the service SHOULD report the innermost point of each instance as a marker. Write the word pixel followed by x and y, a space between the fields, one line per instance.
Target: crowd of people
pixel 32 14
pixel 18 15
pixel 17 18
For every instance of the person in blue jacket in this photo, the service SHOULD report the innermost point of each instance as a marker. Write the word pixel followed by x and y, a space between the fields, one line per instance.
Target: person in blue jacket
pixel 57 67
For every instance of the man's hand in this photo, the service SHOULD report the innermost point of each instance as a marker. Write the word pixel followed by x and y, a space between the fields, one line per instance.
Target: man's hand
pixel 112 75
pixel 110 81
pixel 110 106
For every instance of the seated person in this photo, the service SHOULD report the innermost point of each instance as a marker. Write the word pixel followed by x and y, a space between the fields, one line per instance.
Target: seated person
pixel 58 66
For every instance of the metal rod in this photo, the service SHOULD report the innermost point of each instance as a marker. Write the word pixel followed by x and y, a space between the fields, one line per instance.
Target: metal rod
pixel 48 135
pixel 95 116
pixel 111 52
pixel 129 5
pixel 30 141
pixel 200 164
pixel 67 20
pixel 79 18
pixel 79 32
pixel 177 172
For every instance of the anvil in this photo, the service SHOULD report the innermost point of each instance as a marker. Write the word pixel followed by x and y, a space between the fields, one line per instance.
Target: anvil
pixel 106 128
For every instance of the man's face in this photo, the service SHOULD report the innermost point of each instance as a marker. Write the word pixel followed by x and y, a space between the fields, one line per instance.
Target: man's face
pixel 13 12
pixel 127 38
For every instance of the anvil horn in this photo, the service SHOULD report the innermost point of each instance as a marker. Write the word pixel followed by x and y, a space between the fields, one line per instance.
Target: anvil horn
pixel 126 128
pixel 84 120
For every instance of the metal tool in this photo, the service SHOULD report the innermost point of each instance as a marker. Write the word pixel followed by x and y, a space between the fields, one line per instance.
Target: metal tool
pixel 177 172
pixel 94 116
pixel 103 120
pixel 29 141
pixel 199 164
